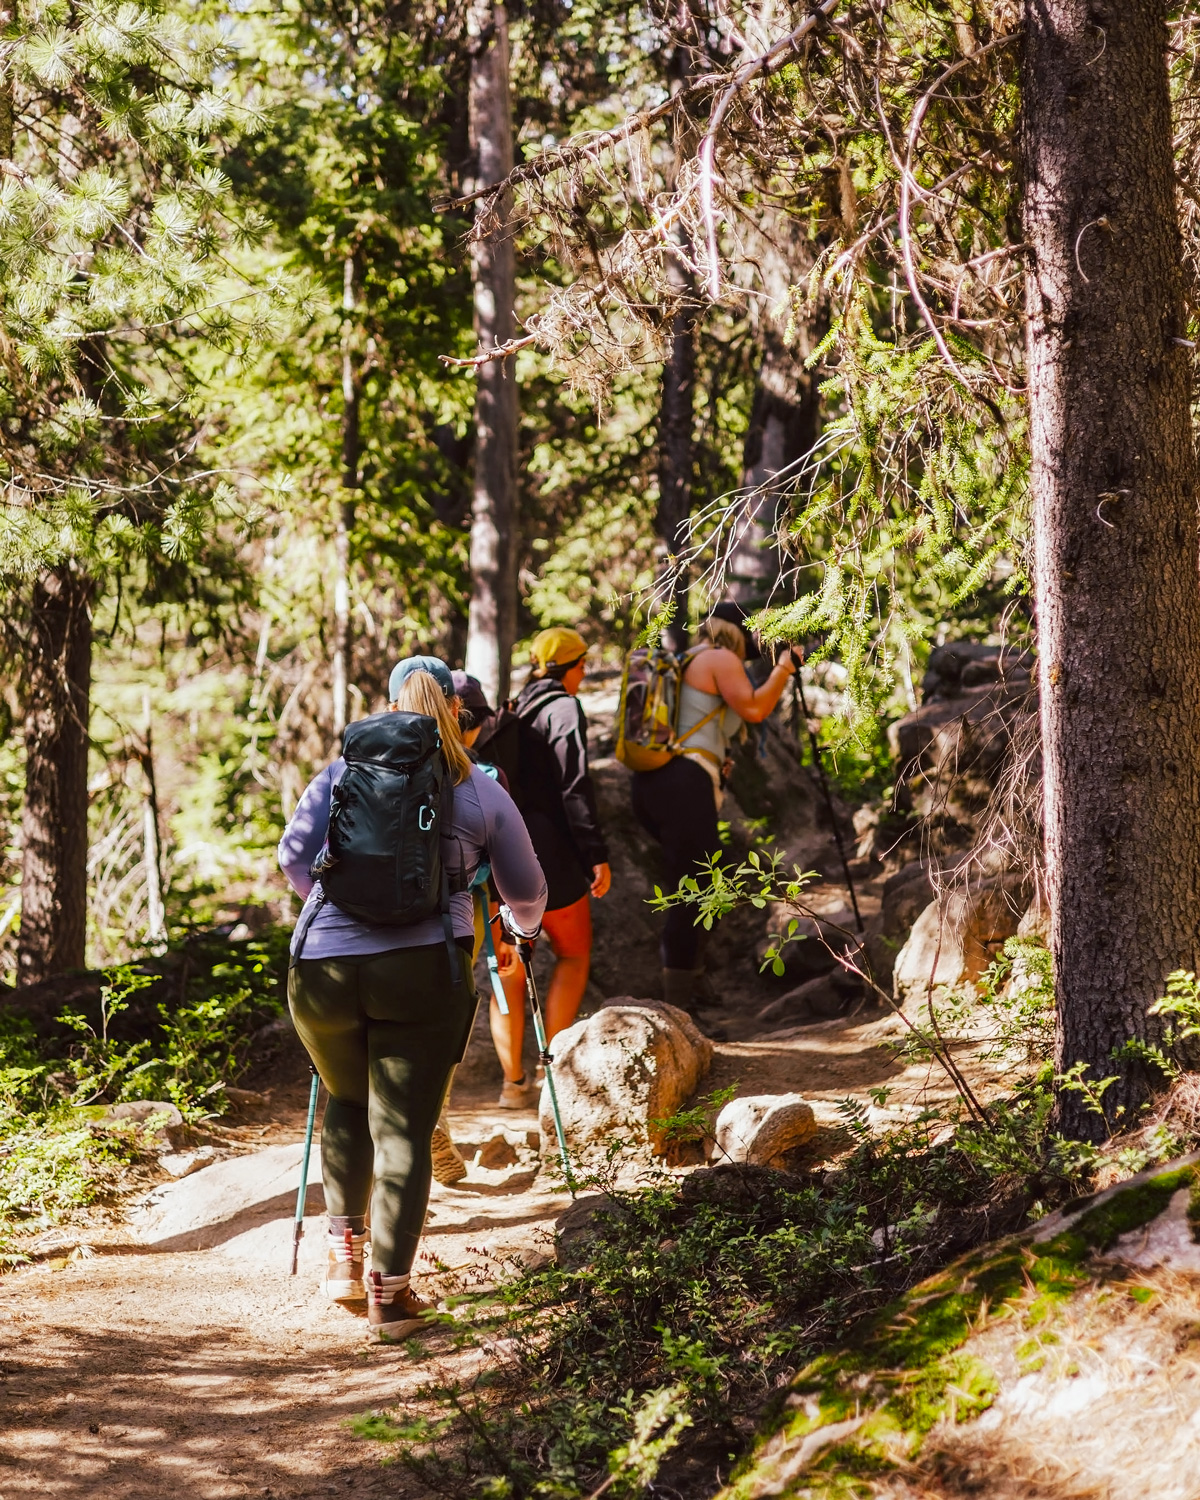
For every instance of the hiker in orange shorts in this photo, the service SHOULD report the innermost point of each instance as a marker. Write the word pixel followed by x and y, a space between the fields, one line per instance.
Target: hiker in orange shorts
pixel 552 788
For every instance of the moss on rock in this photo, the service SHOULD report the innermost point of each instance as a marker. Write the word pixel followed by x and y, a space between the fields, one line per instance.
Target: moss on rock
pixel 866 1408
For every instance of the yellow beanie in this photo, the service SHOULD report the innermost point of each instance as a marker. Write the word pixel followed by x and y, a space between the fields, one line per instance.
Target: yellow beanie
pixel 557 647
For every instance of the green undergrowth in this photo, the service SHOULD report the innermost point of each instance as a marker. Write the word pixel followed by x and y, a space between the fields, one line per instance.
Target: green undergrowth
pixel 178 1029
pixel 717 1288
pixel 865 1408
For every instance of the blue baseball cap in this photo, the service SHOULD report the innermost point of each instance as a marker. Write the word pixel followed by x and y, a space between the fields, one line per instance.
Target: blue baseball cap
pixel 438 670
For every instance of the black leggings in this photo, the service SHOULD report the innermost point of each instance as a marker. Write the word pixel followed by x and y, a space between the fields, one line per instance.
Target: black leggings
pixel 384 1031
pixel 676 806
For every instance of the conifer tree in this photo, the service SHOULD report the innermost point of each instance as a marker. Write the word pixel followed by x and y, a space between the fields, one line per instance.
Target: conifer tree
pixel 115 276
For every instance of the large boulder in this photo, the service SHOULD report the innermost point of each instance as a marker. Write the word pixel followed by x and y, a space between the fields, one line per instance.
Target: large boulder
pixel 976 725
pixel 761 1129
pixel 955 939
pixel 622 1070
pixel 906 894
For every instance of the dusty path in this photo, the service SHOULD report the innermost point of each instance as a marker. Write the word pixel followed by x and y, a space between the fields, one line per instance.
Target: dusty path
pixel 176 1357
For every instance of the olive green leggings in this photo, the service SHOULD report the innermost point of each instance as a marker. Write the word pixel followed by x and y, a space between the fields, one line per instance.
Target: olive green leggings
pixel 385 1032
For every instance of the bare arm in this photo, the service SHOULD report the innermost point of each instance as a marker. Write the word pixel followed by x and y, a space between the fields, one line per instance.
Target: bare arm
pixel 720 671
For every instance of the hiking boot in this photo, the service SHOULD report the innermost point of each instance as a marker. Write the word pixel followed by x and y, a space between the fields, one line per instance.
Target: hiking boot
pixel 344 1274
pixel 448 1164
pixel 520 1095
pixel 394 1313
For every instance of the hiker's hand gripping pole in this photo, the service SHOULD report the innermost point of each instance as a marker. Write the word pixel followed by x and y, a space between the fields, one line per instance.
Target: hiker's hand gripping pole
pixel 302 1192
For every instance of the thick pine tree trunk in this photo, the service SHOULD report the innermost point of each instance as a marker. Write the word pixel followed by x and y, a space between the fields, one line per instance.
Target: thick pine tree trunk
pixel 1115 525
pixel 785 415
pixel 677 412
pixel 54 824
pixel 492 621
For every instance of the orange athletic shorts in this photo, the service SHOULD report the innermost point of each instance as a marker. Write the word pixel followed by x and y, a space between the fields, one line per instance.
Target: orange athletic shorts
pixel 569 929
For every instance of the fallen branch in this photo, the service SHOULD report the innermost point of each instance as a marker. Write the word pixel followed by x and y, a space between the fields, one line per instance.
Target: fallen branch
pixel 908 183
pixel 567 156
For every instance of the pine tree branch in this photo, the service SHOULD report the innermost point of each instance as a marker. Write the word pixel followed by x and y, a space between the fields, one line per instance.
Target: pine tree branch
pixel 590 146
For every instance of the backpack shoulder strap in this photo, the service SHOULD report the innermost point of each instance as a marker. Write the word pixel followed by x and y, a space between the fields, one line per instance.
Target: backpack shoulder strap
pixel 452 950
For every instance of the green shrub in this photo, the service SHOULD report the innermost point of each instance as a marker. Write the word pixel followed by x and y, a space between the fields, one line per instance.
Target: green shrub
pixel 55 1155
pixel 716 1289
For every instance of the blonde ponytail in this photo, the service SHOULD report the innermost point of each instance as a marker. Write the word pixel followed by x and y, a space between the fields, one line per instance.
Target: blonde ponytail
pixel 420 694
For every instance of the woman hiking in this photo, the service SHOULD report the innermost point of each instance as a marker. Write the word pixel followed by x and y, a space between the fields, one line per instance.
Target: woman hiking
pixel 554 791
pixel 678 804
pixel 385 1012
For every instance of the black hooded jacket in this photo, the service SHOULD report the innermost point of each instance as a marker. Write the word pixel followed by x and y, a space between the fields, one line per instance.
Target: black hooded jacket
pixel 554 790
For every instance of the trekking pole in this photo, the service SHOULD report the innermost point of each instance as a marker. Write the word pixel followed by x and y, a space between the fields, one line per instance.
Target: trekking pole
pixel 819 769
pixel 302 1193
pixel 525 953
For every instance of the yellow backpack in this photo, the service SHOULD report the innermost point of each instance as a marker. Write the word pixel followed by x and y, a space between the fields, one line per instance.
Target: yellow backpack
pixel 648 714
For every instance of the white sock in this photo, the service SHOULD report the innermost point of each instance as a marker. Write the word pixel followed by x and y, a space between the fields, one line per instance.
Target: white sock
pixel 346 1245
pixel 382 1289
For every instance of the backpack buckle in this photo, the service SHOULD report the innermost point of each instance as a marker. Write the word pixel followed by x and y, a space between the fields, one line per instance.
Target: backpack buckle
pixel 422 812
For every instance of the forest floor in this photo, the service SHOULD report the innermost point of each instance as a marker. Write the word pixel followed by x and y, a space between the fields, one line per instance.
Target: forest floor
pixel 160 1347
pixel 164 1349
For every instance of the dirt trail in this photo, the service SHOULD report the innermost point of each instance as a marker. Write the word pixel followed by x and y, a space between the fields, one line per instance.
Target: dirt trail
pixel 194 1366
pixel 165 1351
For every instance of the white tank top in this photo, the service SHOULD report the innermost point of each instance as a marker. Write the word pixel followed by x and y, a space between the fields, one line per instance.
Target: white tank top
pixel 707 745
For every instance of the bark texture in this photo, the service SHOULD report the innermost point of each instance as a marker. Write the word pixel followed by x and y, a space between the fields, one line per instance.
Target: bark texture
pixel 492 620
pixel 675 443
pixel 784 417
pixel 1115 525
pixel 677 411
pixel 54 831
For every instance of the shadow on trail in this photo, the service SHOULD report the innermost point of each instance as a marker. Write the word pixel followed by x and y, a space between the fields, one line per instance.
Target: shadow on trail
pixel 149 1416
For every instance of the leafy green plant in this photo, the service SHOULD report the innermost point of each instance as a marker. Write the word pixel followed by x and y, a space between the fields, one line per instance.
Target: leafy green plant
pixel 1182 1004
pixel 57 1153
pixel 99 1064
pixel 697 1298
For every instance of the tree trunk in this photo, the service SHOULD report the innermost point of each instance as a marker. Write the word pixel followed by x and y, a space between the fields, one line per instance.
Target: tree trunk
pixel 783 428
pixel 1115 530
pixel 677 414
pixel 7 103
pixel 156 927
pixel 351 441
pixel 675 438
pixel 54 820
pixel 492 620
pixel 784 416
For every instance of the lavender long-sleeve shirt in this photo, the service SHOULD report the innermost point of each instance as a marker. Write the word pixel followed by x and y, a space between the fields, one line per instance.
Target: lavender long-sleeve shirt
pixel 485 828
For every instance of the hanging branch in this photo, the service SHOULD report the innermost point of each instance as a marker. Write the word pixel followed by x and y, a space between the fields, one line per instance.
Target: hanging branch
pixel 764 64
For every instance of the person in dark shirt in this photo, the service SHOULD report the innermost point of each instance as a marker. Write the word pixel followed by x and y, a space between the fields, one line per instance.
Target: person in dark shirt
pixel 555 794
